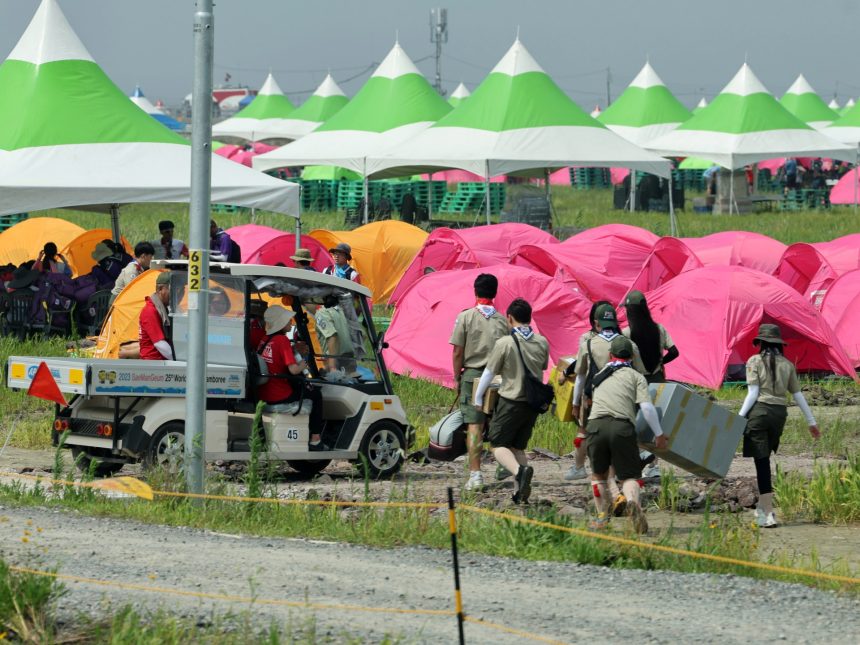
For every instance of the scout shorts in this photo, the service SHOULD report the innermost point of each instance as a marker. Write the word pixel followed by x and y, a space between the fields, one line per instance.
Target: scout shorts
pixel 765 423
pixel 612 442
pixel 512 424
pixel 471 414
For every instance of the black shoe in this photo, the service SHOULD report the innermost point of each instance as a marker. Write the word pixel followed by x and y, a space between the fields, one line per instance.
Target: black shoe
pixel 524 485
pixel 319 446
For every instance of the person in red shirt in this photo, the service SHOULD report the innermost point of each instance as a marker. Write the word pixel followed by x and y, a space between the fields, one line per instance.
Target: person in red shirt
pixel 277 351
pixel 256 325
pixel 154 344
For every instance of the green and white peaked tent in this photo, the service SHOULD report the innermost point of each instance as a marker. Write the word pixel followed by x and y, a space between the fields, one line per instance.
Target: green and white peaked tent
pixel 396 103
pixel 745 124
pixel 848 105
pixel 71 138
pixel 263 118
pixel 701 105
pixel 326 101
pixel 645 110
pixel 460 94
pixel 846 128
pixel 516 121
pixel 834 105
pixel 802 101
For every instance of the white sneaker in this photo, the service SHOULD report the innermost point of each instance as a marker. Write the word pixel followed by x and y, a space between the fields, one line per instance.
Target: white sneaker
pixel 651 471
pixel 575 473
pixel 765 521
pixel 475 483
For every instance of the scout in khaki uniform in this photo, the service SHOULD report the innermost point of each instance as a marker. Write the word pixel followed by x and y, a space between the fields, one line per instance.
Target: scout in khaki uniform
pixel 514 419
pixel 770 376
pixel 334 338
pixel 655 345
pixel 475 333
pixel 611 435
pixel 596 349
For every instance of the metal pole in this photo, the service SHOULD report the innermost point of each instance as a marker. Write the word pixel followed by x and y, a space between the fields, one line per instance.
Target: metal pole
pixel 298 232
pixel 430 198
pixel 366 216
pixel 487 183
pixel 731 189
pixel 114 223
pixel 856 178
pixel 673 227
pixel 198 299
pixel 632 190
pixel 458 598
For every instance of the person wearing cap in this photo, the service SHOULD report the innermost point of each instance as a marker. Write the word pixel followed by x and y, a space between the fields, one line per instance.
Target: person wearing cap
pixel 155 322
pixel 611 441
pixel 51 261
pixel 592 357
pixel 770 376
pixel 167 247
pixel 476 331
pixel 342 255
pixel 143 254
pixel 277 352
pixel 656 347
pixel 303 259
pixel 514 418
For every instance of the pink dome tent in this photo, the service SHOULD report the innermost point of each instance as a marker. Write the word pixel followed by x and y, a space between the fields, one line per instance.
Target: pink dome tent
pixel 669 257
pixel 455 176
pixel 422 323
pixel 841 309
pixel 804 269
pixel 600 262
pixel 713 314
pixel 240 154
pixel 269 246
pixel 469 248
pixel 737 248
pixel 843 253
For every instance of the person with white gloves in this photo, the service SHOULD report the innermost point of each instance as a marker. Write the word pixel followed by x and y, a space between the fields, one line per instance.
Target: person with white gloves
pixel 770 376
pixel 611 436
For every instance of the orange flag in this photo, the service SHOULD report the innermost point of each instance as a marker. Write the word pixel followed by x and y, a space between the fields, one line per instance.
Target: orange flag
pixel 45 387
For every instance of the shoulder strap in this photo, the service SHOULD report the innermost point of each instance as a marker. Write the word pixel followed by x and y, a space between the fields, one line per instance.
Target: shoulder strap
pixel 604 374
pixel 520 352
pixel 590 357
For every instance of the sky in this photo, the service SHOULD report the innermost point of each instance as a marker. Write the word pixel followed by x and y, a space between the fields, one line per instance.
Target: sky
pixel 695 47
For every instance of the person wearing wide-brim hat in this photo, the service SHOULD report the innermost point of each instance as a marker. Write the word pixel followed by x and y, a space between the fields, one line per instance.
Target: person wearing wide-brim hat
pixel 770 376
pixel 284 370
pixel 303 259
pixel 342 255
pixel 101 252
pixel 22 278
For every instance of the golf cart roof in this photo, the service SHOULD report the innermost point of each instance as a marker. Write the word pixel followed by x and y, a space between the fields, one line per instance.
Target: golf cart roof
pixel 263 275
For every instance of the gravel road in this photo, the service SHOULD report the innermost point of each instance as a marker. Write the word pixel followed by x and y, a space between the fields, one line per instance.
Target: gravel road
pixel 565 602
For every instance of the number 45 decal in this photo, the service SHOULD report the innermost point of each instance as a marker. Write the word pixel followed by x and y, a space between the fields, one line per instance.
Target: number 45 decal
pixel 292 434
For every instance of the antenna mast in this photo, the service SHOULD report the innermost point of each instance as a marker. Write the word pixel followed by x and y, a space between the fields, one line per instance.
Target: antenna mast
pixel 439 35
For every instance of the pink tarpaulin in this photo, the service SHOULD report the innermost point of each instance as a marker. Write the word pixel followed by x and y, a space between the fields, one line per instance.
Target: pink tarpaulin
pixel 422 323
pixel 773 165
pixel 737 248
pixel 468 248
pixel 455 176
pixel 806 271
pixel 841 309
pixel 243 154
pixel 844 191
pixel 618 175
pixel 669 258
pixel 269 246
pixel 843 253
pixel 560 177
pixel 713 314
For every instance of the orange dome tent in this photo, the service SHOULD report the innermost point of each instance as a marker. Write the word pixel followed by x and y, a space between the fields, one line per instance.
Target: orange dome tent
pixel 79 250
pixel 23 241
pixel 122 322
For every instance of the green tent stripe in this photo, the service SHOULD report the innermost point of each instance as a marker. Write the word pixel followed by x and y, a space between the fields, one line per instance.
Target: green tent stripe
pixel 319 108
pixel 639 107
pixel 504 102
pixel 735 114
pixel 267 106
pixel 808 107
pixel 70 102
pixel 387 103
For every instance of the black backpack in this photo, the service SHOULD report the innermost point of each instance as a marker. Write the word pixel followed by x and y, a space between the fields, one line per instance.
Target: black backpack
pixel 538 394
pixel 235 252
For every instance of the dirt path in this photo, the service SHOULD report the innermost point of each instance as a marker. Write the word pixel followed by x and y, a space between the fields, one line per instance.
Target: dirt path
pixel 567 602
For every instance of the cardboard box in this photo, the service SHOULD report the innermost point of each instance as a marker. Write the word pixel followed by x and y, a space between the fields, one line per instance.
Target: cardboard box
pixel 703 436
pixel 491 396
pixel 562 406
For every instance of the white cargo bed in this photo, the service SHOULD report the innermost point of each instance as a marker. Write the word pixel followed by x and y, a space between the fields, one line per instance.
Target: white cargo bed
pixel 123 377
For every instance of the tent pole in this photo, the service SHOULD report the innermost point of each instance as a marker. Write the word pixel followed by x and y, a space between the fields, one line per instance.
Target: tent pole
pixel 673 225
pixel 114 223
pixel 731 189
pixel 198 261
pixel 430 198
pixel 856 178
pixel 366 216
pixel 299 230
pixel 632 190
pixel 487 171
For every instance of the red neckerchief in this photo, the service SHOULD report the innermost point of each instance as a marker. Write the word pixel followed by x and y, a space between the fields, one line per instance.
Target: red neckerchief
pixel 484 301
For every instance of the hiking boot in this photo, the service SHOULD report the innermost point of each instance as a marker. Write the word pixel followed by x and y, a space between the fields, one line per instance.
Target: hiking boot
pixel 574 473
pixel 502 472
pixel 524 485
pixel 475 483
pixel 619 506
pixel 637 518
pixel 599 523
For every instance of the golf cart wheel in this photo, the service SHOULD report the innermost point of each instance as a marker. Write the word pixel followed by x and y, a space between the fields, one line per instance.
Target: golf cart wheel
pixel 382 449
pixel 308 467
pixel 84 461
pixel 166 447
